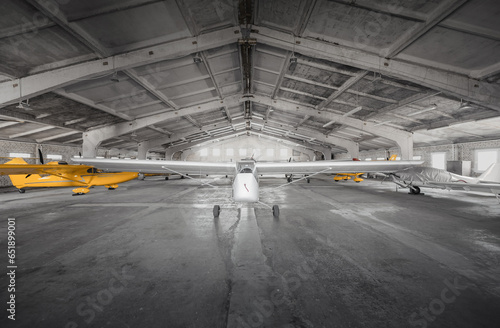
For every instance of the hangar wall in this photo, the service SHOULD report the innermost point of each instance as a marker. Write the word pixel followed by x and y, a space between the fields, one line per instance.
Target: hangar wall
pixel 454 152
pixel 253 145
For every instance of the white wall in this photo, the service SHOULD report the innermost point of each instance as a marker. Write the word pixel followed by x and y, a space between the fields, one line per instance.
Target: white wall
pixel 253 145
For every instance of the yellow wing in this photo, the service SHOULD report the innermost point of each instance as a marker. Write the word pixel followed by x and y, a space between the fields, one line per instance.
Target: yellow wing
pixel 16 167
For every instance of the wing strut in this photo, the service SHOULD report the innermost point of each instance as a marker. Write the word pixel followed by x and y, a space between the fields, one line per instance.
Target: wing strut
pixel 187 176
pixel 305 177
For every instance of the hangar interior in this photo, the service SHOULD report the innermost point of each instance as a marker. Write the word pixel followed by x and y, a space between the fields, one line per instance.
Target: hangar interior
pixel 222 80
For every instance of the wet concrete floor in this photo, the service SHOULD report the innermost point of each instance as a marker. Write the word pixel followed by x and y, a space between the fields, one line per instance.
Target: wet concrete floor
pixel 150 254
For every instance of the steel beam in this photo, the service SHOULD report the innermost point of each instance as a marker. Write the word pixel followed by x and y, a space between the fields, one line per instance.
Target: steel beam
pixel 37 84
pixel 461 86
pixel 402 138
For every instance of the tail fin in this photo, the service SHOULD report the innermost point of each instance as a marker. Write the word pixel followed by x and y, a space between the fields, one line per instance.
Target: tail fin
pixel 17 179
pixel 17 160
pixel 492 174
pixel 393 157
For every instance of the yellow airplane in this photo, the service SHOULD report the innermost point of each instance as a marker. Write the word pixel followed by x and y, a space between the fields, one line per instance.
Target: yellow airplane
pixel 347 176
pixel 60 174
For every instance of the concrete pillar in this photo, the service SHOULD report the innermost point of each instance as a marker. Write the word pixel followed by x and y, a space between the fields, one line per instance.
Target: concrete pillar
pixel 142 150
pixel 405 145
pixel 169 153
pixel 90 143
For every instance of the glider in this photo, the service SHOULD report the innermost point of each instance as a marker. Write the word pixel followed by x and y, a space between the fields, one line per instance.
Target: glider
pixel 246 172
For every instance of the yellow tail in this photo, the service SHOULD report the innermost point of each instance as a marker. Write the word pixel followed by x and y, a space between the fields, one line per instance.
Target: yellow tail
pixel 393 157
pixel 18 179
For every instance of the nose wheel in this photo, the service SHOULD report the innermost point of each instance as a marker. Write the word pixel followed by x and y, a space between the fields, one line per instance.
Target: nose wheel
pixel 276 211
pixel 216 211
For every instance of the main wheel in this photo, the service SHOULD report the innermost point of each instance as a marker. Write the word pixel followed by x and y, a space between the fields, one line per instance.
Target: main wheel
pixel 289 180
pixel 166 178
pixel 415 190
pixel 216 211
pixel 22 191
pixel 276 211
pixel 308 180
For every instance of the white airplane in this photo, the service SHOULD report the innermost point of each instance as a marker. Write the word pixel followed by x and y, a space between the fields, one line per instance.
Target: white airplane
pixel 416 177
pixel 246 172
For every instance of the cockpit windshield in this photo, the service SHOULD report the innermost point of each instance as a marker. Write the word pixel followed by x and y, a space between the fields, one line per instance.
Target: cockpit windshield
pixel 246 167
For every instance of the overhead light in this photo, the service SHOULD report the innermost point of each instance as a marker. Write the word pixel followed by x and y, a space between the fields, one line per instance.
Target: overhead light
pixel 197 59
pixel 465 105
pixel 115 78
pixel 24 105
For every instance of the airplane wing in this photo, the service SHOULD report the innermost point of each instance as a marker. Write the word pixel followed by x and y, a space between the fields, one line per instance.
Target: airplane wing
pixel 481 187
pixel 333 166
pixel 19 169
pixel 156 166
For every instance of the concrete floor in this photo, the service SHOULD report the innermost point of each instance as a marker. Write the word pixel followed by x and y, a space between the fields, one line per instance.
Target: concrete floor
pixel 150 254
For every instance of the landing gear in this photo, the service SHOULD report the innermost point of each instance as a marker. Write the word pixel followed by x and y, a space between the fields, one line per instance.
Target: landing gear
pixel 21 191
pixel 216 211
pixel 166 178
pixel 276 211
pixel 308 180
pixel 414 190
pixel 289 179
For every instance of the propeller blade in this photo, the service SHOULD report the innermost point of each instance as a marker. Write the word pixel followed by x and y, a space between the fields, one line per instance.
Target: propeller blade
pixel 41 156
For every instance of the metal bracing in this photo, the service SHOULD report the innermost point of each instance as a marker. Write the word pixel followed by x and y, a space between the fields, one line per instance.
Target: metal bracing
pixel 57 136
pixel 92 104
pixel 402 138
pixel 32 119
pixel 444 9
pixel 402 103
pixel 347 84
pixel 461 86
pixel 37 84
pixel 33 131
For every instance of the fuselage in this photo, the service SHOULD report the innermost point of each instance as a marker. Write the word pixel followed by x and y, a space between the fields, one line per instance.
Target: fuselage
pixel 246 183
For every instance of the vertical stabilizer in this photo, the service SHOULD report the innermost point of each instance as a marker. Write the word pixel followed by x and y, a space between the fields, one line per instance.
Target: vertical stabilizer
pixel 492 174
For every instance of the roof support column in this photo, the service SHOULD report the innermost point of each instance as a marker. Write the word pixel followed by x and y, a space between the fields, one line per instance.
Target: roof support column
pixel 169 153
pixel 142 150
pixel 405 145
pixel 90 143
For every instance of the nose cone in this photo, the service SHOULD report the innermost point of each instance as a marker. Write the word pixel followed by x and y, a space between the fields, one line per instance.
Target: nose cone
pixel 245 188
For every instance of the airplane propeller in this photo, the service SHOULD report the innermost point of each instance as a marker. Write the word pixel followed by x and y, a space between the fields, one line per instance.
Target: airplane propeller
pixel 41 156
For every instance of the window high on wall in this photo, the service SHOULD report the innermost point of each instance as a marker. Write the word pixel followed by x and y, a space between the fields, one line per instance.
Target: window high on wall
pixel 438 160
pixel 22 155
pixel 483 158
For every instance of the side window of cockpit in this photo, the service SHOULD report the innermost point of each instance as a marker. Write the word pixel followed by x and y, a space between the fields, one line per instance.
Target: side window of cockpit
pixel 92 170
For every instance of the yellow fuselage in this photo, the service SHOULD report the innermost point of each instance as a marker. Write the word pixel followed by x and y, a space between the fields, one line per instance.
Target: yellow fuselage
pixel 84 180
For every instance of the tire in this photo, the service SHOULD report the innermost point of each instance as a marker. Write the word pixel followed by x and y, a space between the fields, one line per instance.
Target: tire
pixel 216 211
pixel 289 180
pixel 21 191
pixel 416 190
pixel 166 178
pixel 276 211
pixel 308 180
